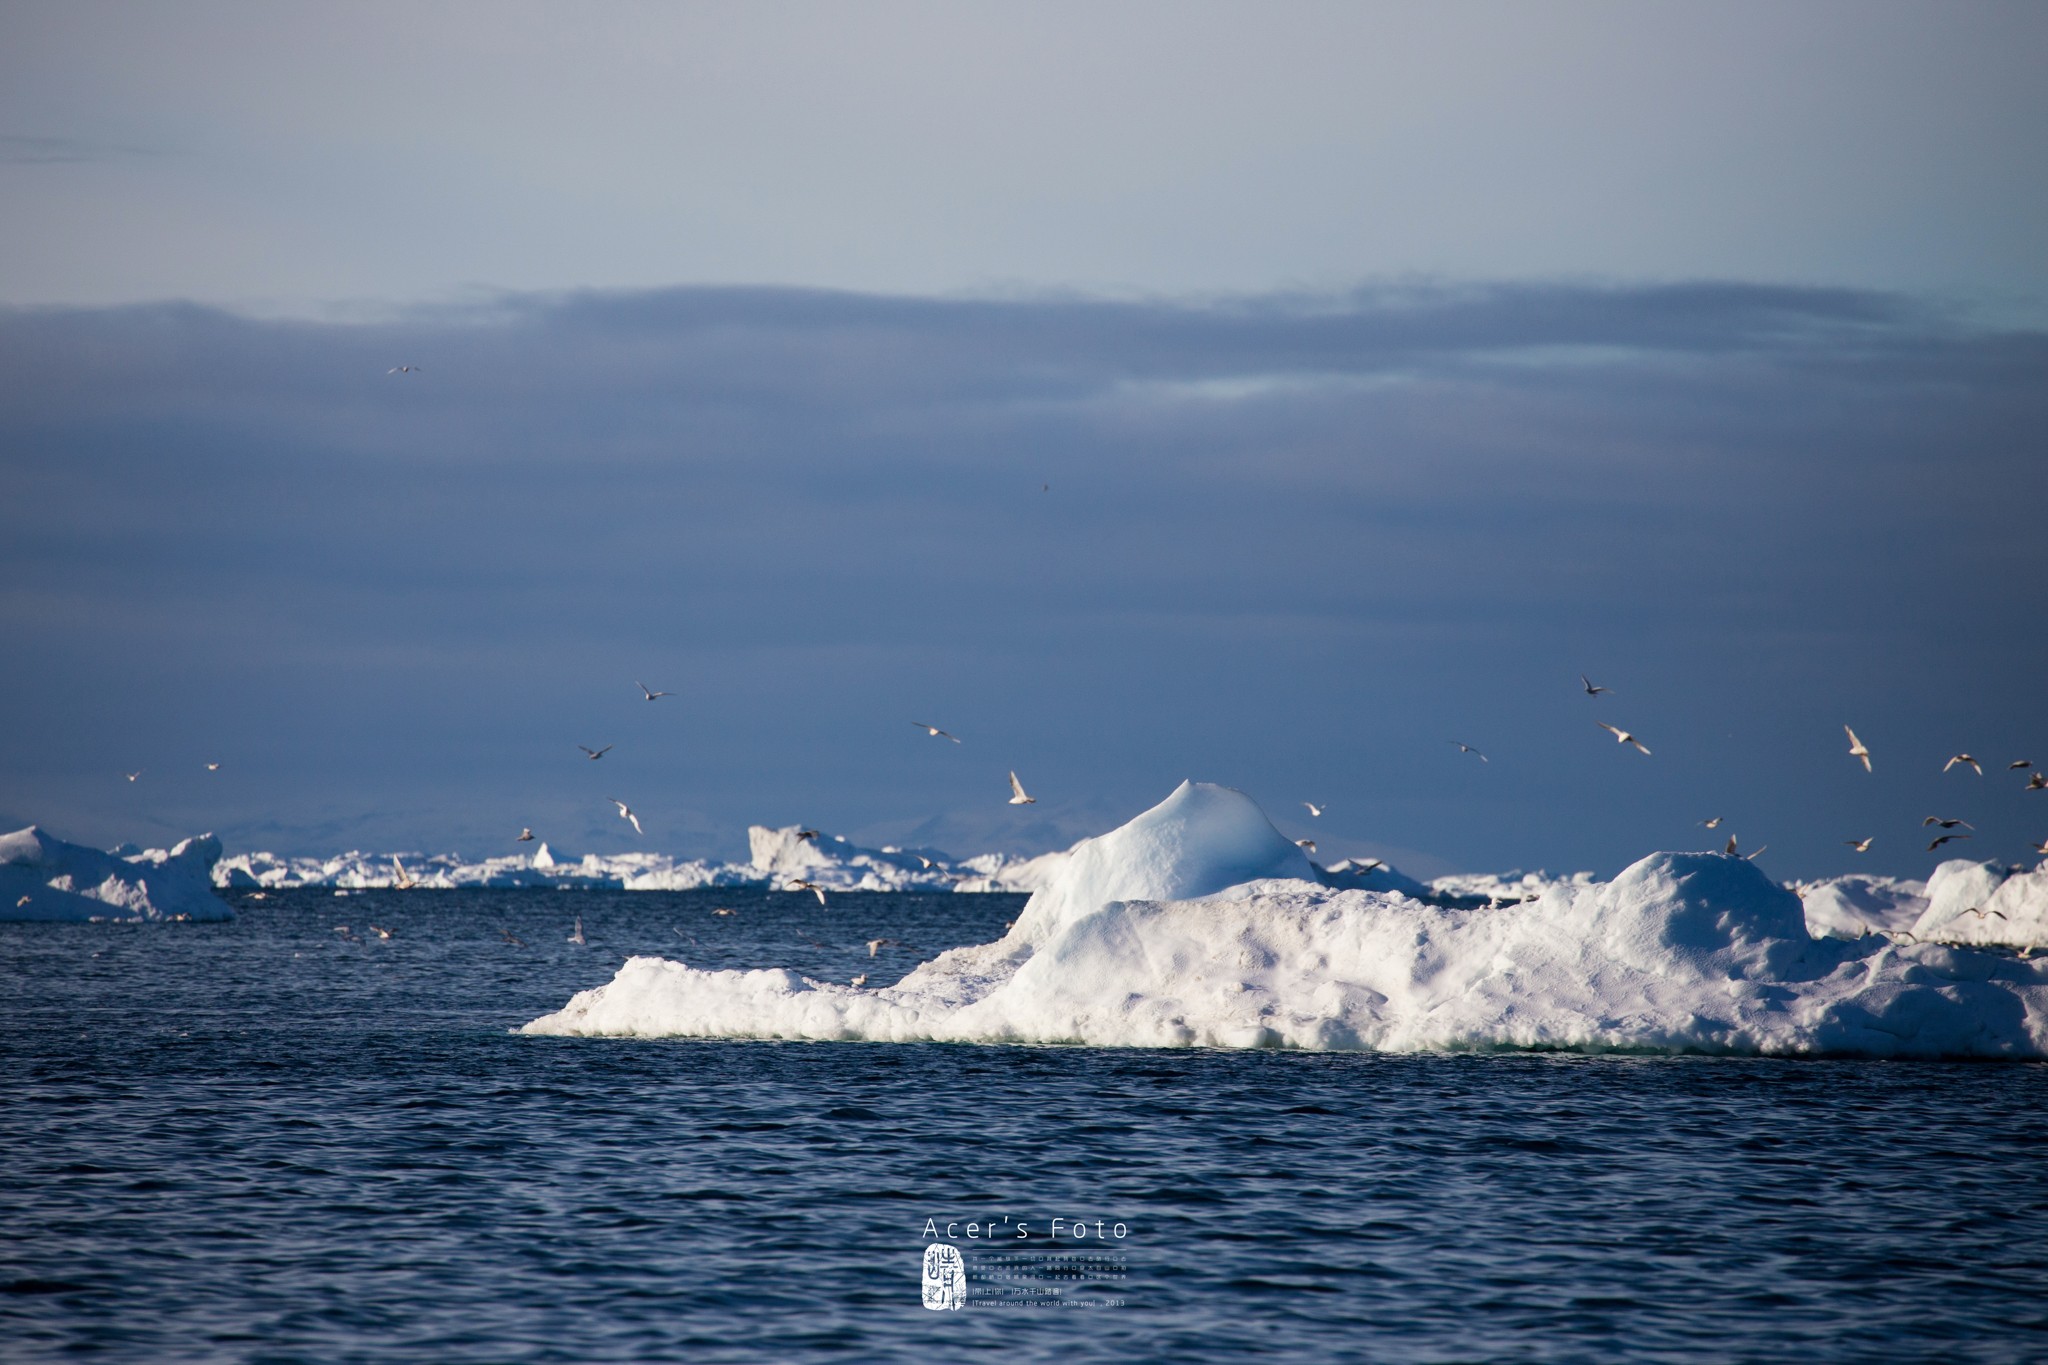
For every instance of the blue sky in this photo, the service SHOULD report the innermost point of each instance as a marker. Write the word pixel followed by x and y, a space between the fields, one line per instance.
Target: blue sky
pixel 1389 368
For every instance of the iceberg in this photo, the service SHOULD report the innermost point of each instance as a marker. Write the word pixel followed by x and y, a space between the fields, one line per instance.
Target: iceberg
pixel 1198 924
pixel 44 878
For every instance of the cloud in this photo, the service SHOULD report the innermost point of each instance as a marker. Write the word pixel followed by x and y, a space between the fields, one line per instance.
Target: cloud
pixel 1288 540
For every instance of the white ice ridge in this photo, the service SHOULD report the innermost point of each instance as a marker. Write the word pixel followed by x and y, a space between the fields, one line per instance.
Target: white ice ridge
pixel 1963 902
pixel 42 878
pixel 1198 924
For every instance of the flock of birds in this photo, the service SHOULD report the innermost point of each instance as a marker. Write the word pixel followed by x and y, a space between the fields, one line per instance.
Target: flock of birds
pixel 2036 781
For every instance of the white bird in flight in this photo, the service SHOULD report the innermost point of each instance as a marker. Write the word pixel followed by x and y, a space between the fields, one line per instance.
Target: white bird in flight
pixel 1621 736
pixel 1964 758
pixel 403 369
pixel 1714 823
pixel 626 813
pixel 595 753
pixel 795 884
pixel 1465 748
pixel 934 731
pixel 1946 824
pixel 1591 690
pixel 1017 796
pixel 405 880
pixel 137 773
pixel 213 767
pixel 576 937
pixel 1860 845
pixel 1313 808
pixel 1946 838
pixel 2037 782
pixel 651 693
pixel 525 835
pixel 1856 749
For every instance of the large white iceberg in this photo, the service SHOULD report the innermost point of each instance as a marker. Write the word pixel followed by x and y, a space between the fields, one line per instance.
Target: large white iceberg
pixel 43 878
pixel 1198 924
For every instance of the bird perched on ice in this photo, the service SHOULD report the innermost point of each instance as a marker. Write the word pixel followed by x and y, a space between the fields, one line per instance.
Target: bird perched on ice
pixel 1860 845
pixel 934 731
pixel 1945 824
pixel 1313 808
pixel 1621 736
pixel 1857 750
pixel 1964 758
pixel 626 813
pixel 1465 748
pixel 1017 796
pixel 1946 838
pixel 576 934
pixel 796 884
pixel 595 754
pixel 860 980
pixel 1591 690
pixel 651 693
pixel 525 835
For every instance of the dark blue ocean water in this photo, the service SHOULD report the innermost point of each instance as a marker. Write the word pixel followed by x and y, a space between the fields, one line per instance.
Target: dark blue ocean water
pixel 259 1141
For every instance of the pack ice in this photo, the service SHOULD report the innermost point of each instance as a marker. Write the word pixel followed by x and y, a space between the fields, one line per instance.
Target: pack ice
pixel 42 878
pixel 1199 925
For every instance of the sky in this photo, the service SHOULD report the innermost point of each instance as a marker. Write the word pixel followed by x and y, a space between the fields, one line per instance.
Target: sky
pixel 1269 395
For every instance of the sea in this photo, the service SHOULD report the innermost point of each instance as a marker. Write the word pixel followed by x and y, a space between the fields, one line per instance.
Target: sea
pixel 290 1138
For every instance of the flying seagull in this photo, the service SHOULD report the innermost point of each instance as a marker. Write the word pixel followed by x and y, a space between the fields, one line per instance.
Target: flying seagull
pixel 525 836
pixel 2023 763
pixel 651 694
pixel 934 731
pixel 1313 808
pixel 1733 853
pixel 804 835
pixel 927 863
pixel 137 773
pixel 380 931
pixel 405 881
pixel 626 813
pixel 2042 848
pixel 1946 824
pixel 1856 749
pixel 795 884
pixel 576 935
pixel 1621 736
pixel 213 767
pixel 1944 839
pixel 2037 782
pixel 875 945
pixel 1714 823
pixel 1860 845
pixel 1963 758
pixel 595 754
pixel 403 369
pixel 1591 690
pixel 1465 748
pixel 1980 914
pixel 1308 844
pixel 512 938
pixel 1017 796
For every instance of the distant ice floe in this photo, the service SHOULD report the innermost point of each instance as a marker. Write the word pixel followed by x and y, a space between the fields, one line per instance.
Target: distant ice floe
pixel 1199 924
pixel 42 878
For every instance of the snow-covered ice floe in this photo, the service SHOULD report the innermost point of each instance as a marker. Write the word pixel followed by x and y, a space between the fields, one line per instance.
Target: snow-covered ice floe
pixel 1199 924
pixel 42 878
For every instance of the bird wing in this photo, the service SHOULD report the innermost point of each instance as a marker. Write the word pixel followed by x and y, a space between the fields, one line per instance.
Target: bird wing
pixel 1616 730
pixel 1016 787
pixel 636 822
